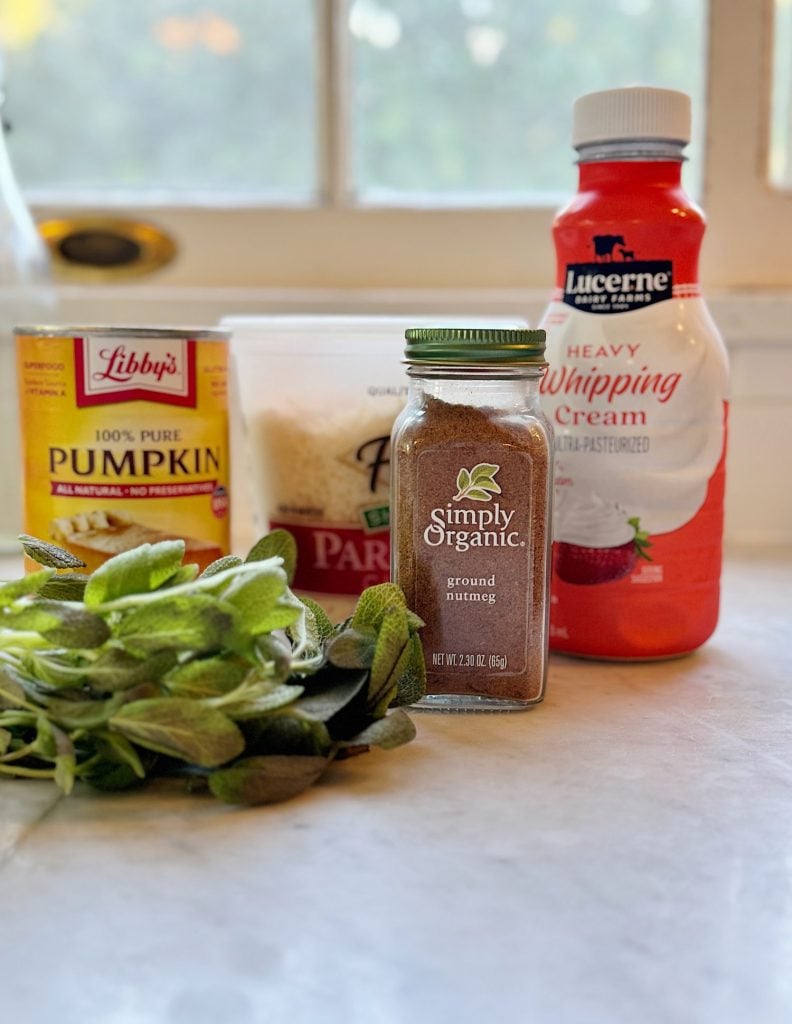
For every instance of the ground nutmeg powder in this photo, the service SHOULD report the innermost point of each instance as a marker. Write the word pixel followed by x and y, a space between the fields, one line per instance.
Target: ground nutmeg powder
pixel 471 495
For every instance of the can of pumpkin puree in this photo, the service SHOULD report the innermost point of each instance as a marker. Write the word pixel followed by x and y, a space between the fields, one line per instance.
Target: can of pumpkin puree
pixel 125 438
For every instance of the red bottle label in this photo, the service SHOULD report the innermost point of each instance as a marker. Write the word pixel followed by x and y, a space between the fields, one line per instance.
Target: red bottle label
pixel 636 393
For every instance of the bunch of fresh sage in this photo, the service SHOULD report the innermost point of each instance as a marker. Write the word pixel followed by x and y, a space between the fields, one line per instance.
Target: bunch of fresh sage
pixel 146 668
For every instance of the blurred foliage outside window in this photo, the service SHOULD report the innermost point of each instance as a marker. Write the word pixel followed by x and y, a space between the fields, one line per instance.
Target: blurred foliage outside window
pixel 450 101
pixel 475 96
pixel 162 97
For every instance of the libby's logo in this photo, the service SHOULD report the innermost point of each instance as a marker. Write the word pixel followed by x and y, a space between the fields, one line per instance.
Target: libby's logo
pixel 122 365
pixel 482 527
pixel 111 370
pixel 616 280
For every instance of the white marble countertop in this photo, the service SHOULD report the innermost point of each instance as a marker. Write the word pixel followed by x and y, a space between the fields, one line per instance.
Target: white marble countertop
pixel 621 854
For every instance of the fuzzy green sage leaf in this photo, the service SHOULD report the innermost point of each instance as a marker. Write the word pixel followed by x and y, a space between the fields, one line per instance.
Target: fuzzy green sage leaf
pixel 278 543
pixel 30 584
pixel 198 622
pixel 181 728
pixel 138 571
pixel 51 555
pixel 388 732
pixel 267 779
pixel 62 623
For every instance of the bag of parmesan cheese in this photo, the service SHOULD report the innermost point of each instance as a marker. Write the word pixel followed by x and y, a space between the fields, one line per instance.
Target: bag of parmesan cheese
pixel 317 398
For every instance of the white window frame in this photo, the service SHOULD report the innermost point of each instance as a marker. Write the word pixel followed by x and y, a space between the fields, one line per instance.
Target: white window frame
pixel 342 244
pixel 749 219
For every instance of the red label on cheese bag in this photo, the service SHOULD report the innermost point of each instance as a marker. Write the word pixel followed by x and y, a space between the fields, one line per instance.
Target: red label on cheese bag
pixel 335 559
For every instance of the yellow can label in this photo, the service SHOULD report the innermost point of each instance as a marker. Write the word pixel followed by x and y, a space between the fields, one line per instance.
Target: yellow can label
pixel 125 440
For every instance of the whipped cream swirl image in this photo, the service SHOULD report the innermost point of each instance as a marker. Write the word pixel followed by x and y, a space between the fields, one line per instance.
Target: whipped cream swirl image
pixel 584 517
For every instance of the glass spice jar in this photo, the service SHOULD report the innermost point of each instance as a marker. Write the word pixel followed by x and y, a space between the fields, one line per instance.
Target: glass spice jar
pixel 471 463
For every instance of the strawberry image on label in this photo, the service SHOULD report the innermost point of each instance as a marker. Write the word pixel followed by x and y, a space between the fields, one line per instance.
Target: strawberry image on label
pixel 575 563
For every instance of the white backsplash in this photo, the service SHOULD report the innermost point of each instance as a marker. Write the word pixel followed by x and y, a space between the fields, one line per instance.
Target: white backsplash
pixel 757 328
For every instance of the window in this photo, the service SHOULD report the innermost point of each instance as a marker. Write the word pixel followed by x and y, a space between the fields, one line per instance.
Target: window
pixel 186 101
pixel 379 143
pixel 470 100
pixel 781 124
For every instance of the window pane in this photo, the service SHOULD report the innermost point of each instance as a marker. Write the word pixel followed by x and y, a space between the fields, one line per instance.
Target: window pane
pixel 781 124
pixel 162 96
pixel 473 98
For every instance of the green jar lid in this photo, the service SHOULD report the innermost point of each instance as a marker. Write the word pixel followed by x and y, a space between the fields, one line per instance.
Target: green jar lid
pixel 474 346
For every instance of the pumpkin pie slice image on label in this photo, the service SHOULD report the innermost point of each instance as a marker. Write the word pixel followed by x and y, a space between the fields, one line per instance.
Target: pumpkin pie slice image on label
pixel 96 536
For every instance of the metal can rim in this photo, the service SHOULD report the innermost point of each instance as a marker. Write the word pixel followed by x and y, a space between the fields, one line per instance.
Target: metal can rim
pixel 78 330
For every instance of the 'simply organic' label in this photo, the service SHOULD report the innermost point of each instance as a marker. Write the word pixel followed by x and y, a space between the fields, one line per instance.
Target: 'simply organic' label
pixel 471 530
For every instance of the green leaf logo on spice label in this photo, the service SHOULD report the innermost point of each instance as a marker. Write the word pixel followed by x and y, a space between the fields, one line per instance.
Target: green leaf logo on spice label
pixel 478 483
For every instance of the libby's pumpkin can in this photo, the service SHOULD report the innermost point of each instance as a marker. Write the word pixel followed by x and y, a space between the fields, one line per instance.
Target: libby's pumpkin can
pixel 125 438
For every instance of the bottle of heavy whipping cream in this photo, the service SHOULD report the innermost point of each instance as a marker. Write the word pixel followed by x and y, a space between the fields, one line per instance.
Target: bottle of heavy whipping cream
pixel 636 392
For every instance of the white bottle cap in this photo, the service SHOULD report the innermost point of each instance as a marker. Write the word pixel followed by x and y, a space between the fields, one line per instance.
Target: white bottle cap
pixel 636 112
